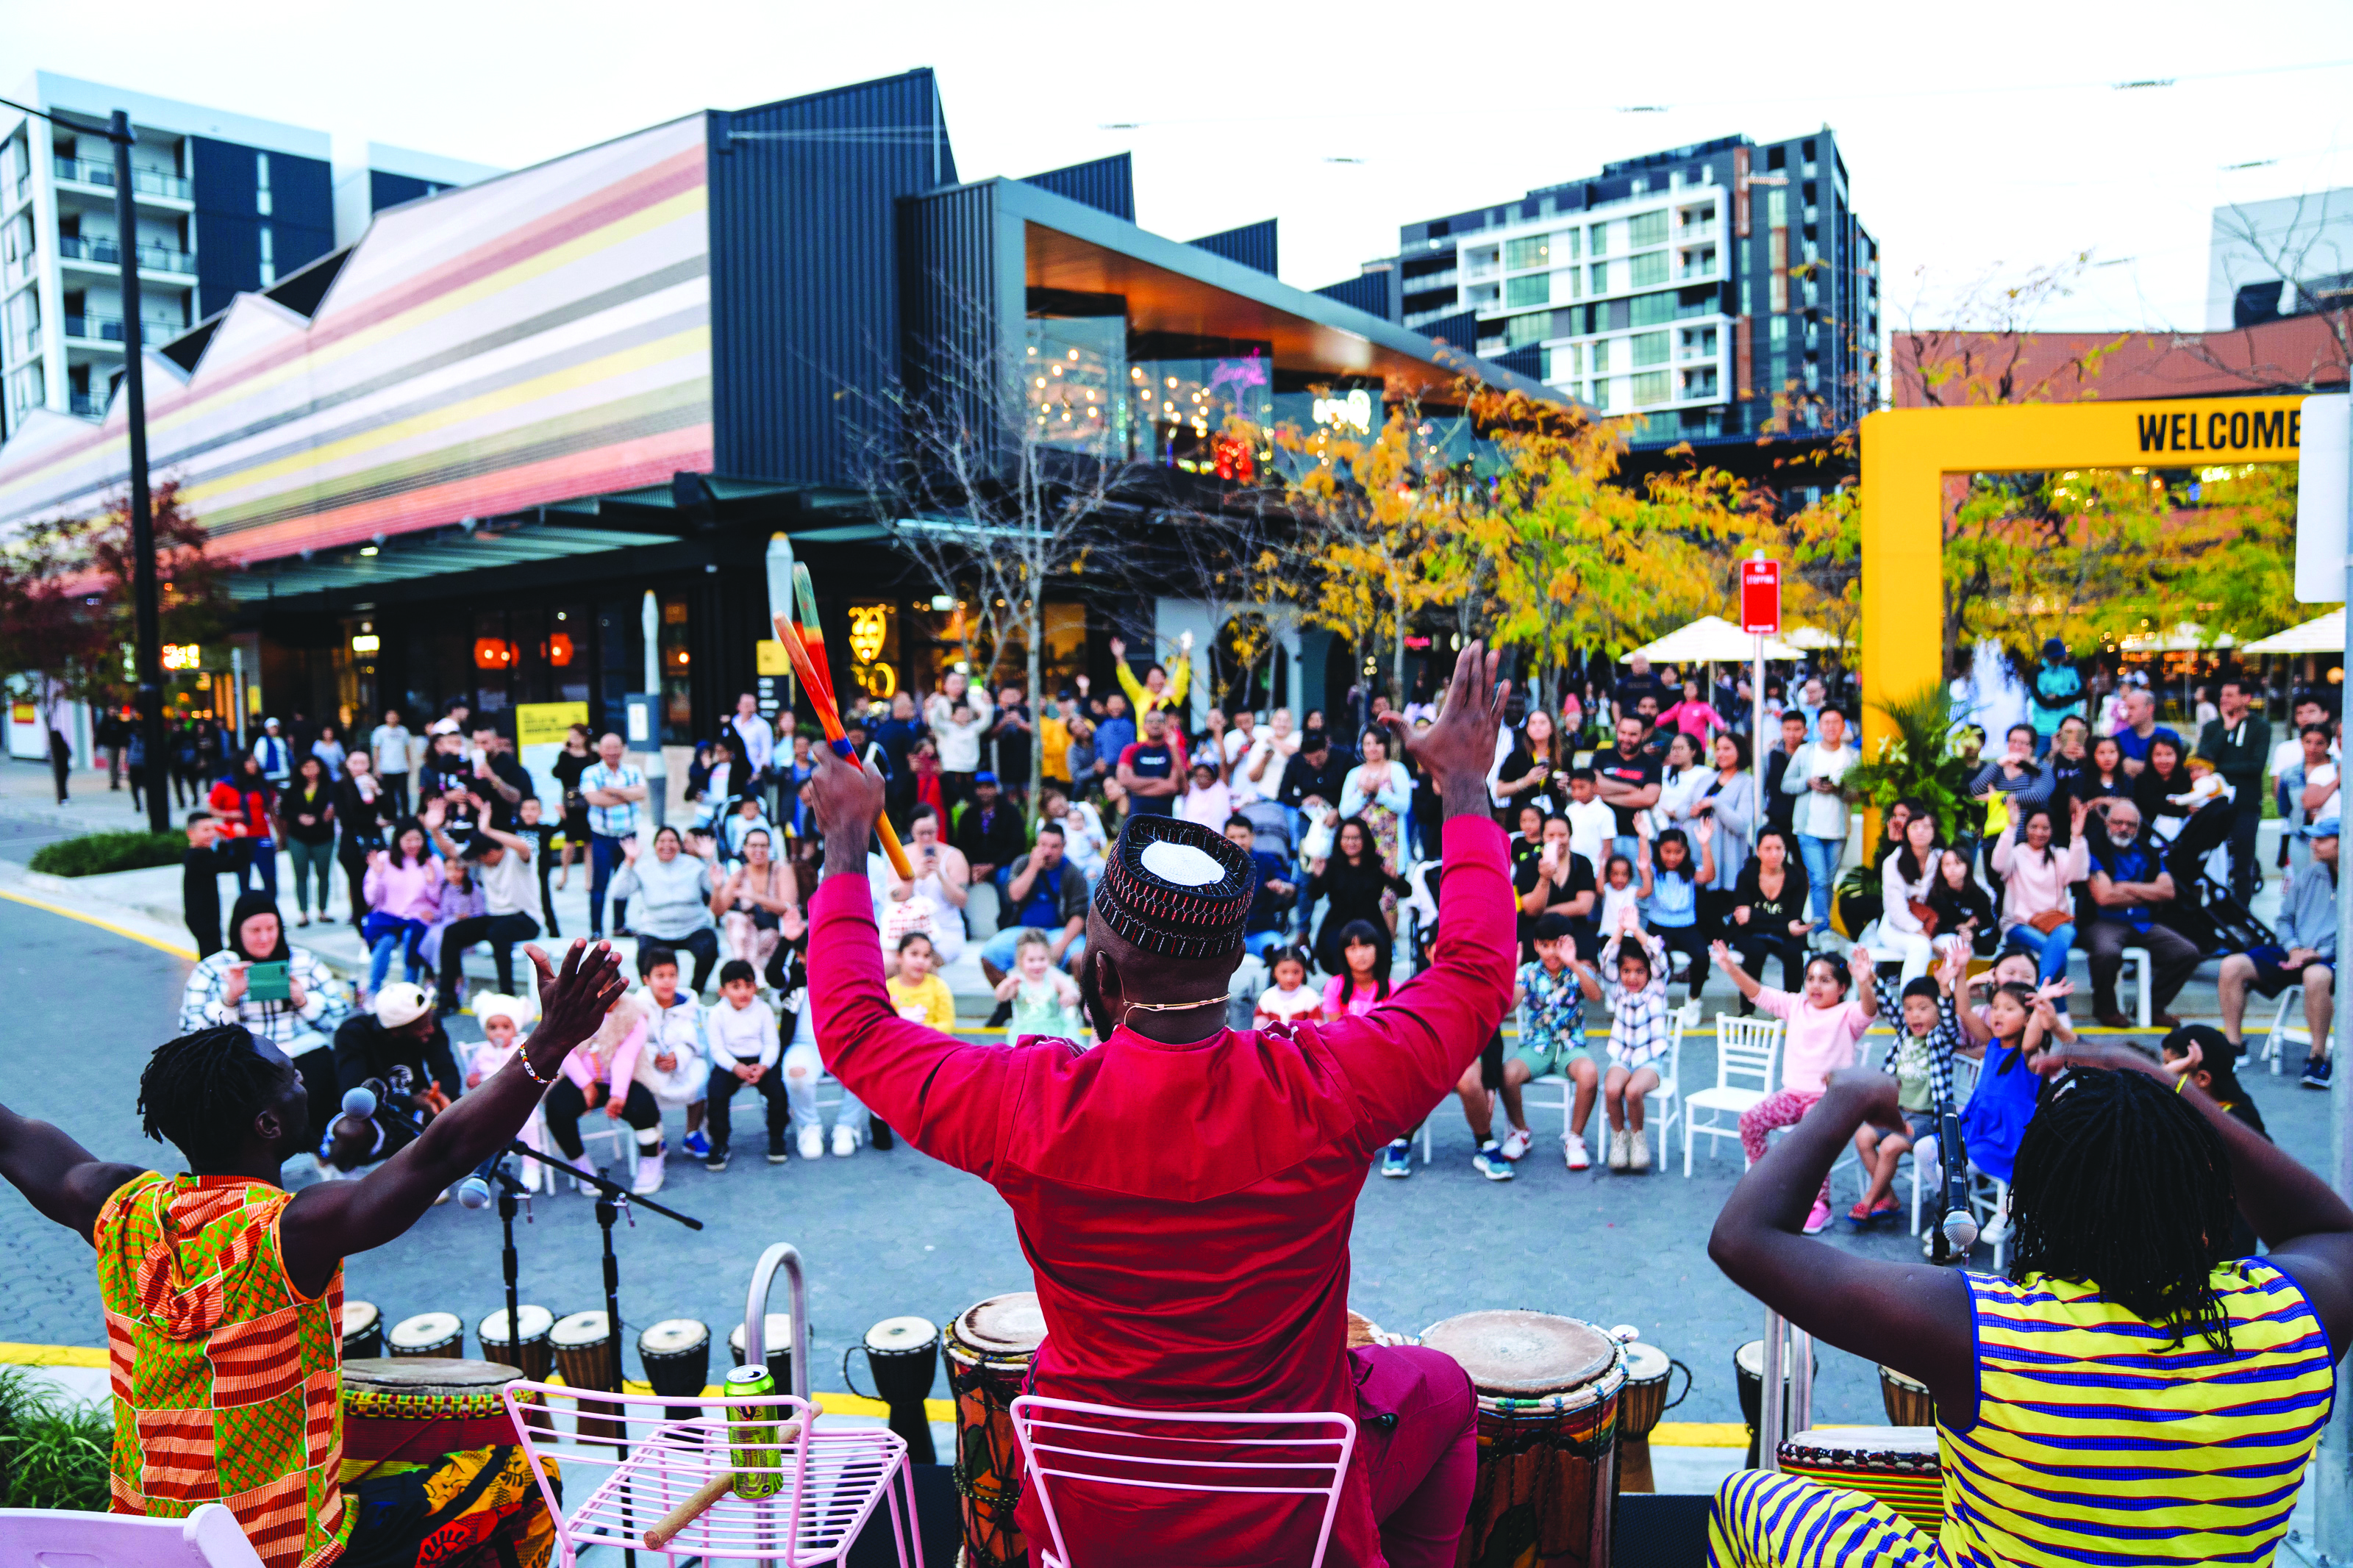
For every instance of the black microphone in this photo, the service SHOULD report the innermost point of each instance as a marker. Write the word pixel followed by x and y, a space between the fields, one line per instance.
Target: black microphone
pixel 1960 1224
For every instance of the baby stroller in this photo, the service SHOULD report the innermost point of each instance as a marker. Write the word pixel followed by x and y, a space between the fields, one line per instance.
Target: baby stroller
pixel 2204 909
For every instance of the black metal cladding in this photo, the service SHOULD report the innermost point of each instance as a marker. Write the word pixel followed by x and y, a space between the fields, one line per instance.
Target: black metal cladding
pixel 948 284
pixel 1367 291
pixel 387 190
pixel 1106 184
pixel 1253 245
pixel 224 183
pixel 804 297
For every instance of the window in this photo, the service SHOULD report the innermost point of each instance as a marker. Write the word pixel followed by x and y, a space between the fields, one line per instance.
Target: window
pixel 1600 398
pixel 1776 209
pixel 1700 383
pixel 1533 328
pixel 1647 270
pixel 1596 238
pixel 1652 310
pixel 261 183
pixel 269 255
pixel 1649 228
pixel 1779 333
pixel 1601 357
pixel 1479 262
pixel 1560 363
pixel 1564 244
pixel 1601 277
pixel 1650 387
pixel 1533 250
pixel 1536 289
pixel 1649 349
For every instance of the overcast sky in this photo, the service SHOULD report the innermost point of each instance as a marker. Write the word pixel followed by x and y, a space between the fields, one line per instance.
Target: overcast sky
pixel 1983 141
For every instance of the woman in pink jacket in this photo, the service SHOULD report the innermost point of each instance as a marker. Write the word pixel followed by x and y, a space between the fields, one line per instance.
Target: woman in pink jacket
pixel 603 1072
pixel 2037 899
pixel 403 889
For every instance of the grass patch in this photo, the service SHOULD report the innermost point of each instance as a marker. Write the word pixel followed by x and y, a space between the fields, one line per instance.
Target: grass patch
pixel 53 1450
pixel 96 854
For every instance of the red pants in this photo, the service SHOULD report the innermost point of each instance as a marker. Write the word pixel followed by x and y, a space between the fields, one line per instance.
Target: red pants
pixel 1782 1108
pixel 1417 1428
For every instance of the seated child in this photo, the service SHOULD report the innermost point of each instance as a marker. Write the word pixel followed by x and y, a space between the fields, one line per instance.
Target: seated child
pixel 2205 784
pixel 502 1018
pixel 1550 994
pixel 1045 1000
pixel 2205 1056
pixel 1619 894
pixel 1364 984
pixel 2013 1031
pixel 1289 1000
pixel 1921 1058
pixel 744 1048
pixel 1638 1038
pixel 1824 1027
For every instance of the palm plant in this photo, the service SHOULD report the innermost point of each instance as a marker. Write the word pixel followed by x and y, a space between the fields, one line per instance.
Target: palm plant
pixel 1917 761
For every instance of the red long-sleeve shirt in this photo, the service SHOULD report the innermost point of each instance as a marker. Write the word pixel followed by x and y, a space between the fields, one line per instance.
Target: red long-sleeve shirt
pixel 1186 1208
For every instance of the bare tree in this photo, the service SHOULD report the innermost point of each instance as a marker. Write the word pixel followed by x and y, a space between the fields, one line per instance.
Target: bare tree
pixel 2310 257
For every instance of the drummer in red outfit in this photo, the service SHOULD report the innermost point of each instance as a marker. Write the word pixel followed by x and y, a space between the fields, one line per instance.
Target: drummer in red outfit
pixel 1185 1191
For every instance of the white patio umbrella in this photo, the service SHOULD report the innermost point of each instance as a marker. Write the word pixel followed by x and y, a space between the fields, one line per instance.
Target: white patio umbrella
pixel 1711 640
pixel 2322 634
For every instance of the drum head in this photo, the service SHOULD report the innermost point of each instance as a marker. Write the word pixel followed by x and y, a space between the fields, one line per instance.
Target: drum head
pixel 1867 1439
pixel 532 1324
pixel 672 1336
pixel 359 1317
pixel 1900 1381
pixel 1750 1359
pixel 581 1329
pixel 1645 1364
pixel 1520 1354
pixel 1010 1324
pixel 902 1336
pixel 776 1328
pixel 425 1329
pixel 427 1375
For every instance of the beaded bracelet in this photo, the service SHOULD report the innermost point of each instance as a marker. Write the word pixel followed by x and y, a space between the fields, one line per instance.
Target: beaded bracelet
pixel 524 1058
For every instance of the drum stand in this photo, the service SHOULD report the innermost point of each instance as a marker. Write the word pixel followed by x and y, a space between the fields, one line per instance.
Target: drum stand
pixel 1780 1336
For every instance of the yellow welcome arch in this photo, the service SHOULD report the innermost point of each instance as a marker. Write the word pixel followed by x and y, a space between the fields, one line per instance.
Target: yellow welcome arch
pixel 1907 452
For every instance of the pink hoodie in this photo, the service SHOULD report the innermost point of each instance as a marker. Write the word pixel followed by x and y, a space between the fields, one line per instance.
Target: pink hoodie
pixel 584 1067
pixel 1820 1041
pixel 405 892
pixel 2035 881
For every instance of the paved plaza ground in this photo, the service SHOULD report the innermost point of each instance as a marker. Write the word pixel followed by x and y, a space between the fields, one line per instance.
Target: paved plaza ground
pixel 895 1232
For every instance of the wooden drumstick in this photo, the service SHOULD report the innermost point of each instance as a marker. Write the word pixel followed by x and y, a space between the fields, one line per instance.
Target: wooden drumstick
pixel 703 1498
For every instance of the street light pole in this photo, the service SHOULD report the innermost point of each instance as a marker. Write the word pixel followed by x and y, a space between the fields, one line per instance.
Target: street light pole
pixel 146 608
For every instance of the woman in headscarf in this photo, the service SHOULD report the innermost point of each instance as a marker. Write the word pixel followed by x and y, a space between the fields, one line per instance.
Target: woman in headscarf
pixel 299 1017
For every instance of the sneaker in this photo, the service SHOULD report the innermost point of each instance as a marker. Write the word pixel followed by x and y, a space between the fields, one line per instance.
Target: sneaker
pixel 812 1141
pixel 879 1135
pixel 1637 1157
pixel 715 1158
pixel 441 1197
pixel 1578 1159
pixel 301 917
pixel 1818 1219
pixel 1621 1149
pixel 1397 1160
pixel 1489 1162
pixel 587 1187
pixel 1000 1015
pixel 1997 1229
pixel 2316 1072
pixel 1690 1015
pixel 697 1144
pixel 845 1142
pixel 1516 1143
pixel 776 1148
pixel 649 1173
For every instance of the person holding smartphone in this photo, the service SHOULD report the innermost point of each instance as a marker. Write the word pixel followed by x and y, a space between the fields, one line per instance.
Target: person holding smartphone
pixel 280 993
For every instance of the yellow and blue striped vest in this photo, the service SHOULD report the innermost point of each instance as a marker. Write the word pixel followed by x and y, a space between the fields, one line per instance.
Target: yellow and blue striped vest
pixel 2098 1440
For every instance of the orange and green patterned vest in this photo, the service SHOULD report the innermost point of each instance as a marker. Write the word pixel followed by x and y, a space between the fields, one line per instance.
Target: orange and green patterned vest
pixel 226 1379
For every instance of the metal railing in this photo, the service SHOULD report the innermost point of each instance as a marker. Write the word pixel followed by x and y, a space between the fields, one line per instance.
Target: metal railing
pixel 95 329
pixel 108 252
pixel 143 181
pixel 89 408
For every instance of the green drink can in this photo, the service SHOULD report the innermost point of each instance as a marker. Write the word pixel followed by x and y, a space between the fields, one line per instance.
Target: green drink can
pixel 752 1447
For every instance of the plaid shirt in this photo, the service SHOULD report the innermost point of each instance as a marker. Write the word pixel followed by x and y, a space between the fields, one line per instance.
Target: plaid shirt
pixel 612 821
pixel 1638 1024
pixel 1908 1051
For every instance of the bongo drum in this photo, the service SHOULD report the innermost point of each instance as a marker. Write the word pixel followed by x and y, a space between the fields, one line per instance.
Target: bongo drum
pixel 677 1356
pixel 587 1357
pixel 904 1354
pixel 990 1349
pixel 528 1351
pixel 437 1335
pixel 1549 1393
pixel 1907 1399
pixel 362 1329
pixel 1896 1464
pixel 1644 1404
pixel 414 1409
pixel 776 1330
pixel 1748 1369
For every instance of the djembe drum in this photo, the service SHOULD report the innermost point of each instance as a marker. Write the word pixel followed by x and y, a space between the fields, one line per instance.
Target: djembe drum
pixel 362 1329
pixel 437 1335
pixel 1548 1392
pixel 430 1452
pixel 776 1336
pixel 1896 1464
pixel 527 1348
pixel 1907 1399
pixel 904 1354
pixel 1641 1408
pixel 676 1354
pixel 588 1356
pixel 989 1348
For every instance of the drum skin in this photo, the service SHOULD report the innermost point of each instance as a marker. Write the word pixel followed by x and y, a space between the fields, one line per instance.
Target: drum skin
pixel 1897 1465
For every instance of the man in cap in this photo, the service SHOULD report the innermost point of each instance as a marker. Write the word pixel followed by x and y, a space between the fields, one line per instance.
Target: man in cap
pixel 1185 1191
pixel 2306 955
pixel 401 1045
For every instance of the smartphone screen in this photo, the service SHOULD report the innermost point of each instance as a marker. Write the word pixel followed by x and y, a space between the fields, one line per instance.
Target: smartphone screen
pixel 267 982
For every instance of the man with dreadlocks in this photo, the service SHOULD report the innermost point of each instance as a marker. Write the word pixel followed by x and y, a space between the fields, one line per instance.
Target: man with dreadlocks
pixel 2133 1392
pixel 1185 1191
pixel 224 1294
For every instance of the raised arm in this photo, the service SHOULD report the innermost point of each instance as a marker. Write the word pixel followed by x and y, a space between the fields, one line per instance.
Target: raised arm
pixel 62 1180
pixel 948 1097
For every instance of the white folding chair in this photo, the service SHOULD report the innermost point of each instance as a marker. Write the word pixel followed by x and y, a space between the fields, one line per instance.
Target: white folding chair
pixel 2137 962
pixel 1964 1084
pixel 1064 1441
pixel 2282 1034
pixel 210 1537
pixel 1747 1057
pixel 624 1137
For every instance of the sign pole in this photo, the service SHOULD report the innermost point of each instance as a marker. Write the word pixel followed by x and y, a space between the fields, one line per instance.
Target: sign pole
pixel 2334 1506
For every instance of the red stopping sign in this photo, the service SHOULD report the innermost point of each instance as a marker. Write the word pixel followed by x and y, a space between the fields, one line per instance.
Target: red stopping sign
pixel 1760 597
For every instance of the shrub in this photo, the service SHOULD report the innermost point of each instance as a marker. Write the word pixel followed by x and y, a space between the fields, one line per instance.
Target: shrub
pixel 95 854
pixel 53 1450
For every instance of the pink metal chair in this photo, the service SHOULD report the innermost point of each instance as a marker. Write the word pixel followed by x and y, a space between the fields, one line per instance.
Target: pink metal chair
pixel 208 1538
pixel 1104 1444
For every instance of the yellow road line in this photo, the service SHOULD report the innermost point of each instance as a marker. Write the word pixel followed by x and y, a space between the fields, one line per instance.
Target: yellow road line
pixel 50 1355
pixel 1699 1435
pixel 125 931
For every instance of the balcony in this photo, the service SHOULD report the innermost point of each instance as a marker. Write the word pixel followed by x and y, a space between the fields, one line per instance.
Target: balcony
pixel 23 345
pixel 143 181
pixel 109 253
pixel 95 329
pixel 89 408
pixel 1698 272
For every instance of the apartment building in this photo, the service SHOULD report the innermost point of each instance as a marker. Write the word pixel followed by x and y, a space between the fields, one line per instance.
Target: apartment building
pixel 224 204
